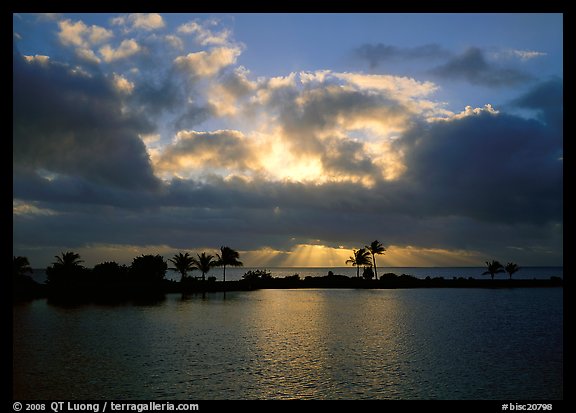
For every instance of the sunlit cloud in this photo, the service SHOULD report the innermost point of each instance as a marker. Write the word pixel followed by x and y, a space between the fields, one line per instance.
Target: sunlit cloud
pixel 204 64
pixel 468 111
pixel 22 208
pixel 122 84
pixel 40 59
pixel 142 21
pixel 80 35
pixel 200 152
pixel 127 48
pixel 167 129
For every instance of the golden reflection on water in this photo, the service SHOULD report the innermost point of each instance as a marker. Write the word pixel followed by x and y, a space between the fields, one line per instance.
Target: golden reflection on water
pixel 308 344
pixel 307 340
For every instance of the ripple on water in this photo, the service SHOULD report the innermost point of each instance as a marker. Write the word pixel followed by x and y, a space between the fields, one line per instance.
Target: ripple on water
pixel 306 344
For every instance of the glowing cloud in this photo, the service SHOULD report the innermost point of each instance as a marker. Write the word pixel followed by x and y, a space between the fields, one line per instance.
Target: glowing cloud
pixel 205 64
pixel 122 84
pixel 143 21
pixel 127 48
pixel 79 34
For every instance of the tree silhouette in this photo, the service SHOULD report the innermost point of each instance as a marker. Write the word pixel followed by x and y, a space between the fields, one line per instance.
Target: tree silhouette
pixel 494 267
pixel 204 263
pixel 67 269
pixel 375 248
pixel 368 274
pixel 228 256
pixel 20 266
pixel 511 268
pixel 68 259
pixel 149 268
pixel 182 263
pixel 360 257
pixel 110 272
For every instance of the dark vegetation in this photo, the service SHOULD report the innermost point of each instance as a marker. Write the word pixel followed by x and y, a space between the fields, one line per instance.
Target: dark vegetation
pixel 144 281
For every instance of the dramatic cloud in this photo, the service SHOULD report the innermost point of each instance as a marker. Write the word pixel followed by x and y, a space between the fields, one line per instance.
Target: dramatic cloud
pixel 487 166
pixel 143 133
pixel 473 67
pixel 69 123
pixel 207 151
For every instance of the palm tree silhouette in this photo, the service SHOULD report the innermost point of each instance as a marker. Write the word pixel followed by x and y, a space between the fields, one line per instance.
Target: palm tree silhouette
pixel 228 256
pixel 66 270
pixel 204 263
pixel 182 263
pixel 361 257
pixel 20 266
pixel 494 267
pixel 511 268
pixel 375 248
pixel 68 259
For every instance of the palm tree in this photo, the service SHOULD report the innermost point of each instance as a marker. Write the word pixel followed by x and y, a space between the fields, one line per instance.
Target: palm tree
pixel 511 268
pixel 375 248
pixel 361 257
pixel 68 260
pixel 20 266
pixel 65 270
pixel 182 263
pixel 494 267
pixel 204 263
pixel 228 256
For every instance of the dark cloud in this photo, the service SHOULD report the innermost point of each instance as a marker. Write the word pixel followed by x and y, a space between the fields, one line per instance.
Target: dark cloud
pixel 378 53
pixel 69 122
pixel 236 83
pixel 254 214
pixel 485 182
pixel 546 99
pixel 347 156
pixel 488 167
pixel 473 67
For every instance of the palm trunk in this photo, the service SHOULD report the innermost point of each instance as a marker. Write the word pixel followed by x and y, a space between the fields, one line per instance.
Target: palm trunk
pixel 224 272
pixel 375 272
pixel 357 271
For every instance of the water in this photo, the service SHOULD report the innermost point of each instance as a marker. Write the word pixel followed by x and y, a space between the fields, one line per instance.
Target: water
pixel 233 274
pixel 501 344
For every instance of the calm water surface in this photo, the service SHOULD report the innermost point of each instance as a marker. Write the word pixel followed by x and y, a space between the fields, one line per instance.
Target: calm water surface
pixel 284 344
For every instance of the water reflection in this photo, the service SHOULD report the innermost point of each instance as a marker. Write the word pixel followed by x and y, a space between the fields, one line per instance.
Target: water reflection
pixel 283 344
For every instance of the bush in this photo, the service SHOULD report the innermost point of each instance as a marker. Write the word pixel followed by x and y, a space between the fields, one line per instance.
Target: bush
pixel 257 275
pixel 149 268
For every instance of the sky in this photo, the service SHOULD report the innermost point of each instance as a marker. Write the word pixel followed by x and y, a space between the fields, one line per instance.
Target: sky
pixel 292 138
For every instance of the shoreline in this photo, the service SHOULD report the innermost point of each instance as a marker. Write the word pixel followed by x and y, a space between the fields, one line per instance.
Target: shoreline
pixel 117 292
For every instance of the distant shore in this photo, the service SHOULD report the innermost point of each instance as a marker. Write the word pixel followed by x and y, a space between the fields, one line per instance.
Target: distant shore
pixel 123 292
